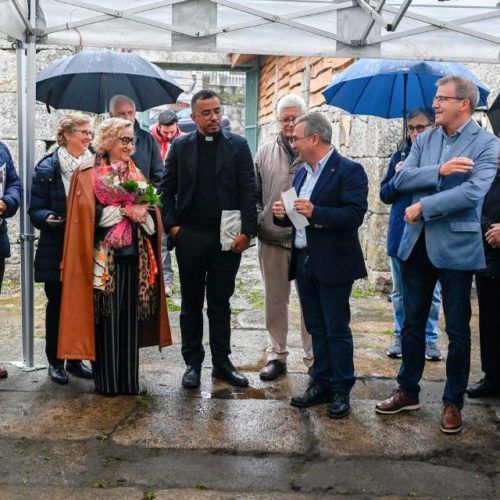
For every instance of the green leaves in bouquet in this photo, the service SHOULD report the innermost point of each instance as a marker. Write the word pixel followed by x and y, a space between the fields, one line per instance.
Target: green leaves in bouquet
pixel 130 186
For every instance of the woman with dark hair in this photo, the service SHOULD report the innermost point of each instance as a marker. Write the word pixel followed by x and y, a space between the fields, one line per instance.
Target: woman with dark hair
pixel 48 213
pixel 419 120
pixel 488 294
pixel 113 298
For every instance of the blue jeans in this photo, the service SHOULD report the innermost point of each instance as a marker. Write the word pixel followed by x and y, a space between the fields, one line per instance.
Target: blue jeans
pixel 326 316
pixel 419 281
pixel 431 328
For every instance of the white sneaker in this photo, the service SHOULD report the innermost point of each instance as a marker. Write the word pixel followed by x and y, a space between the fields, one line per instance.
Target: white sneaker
pixel 168 290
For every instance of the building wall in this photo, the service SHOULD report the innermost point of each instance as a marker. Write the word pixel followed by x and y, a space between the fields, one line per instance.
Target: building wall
pixel 365 139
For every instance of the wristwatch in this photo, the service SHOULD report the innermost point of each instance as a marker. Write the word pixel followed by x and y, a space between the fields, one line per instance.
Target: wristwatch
pixel 122 211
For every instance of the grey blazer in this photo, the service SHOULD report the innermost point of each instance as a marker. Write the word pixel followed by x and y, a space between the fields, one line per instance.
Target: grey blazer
pixel 451 205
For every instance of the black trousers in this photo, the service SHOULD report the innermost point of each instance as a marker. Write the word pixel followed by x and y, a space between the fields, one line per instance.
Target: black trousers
pixel 488 293
pixel 2 271
pixel 204 267
pixel 53 292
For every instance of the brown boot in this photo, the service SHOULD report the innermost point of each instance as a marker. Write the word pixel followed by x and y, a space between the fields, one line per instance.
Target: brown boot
pixel 451 419
pixel 397 403
pixel 3 372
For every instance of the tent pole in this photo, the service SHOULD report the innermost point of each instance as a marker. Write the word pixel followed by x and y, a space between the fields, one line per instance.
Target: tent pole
pixel 26 117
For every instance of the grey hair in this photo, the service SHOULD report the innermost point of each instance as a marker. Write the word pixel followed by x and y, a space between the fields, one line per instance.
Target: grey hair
pixel 291 101
pixel 464 89
pixel 117 99
pixel 428 113
pixel 316 123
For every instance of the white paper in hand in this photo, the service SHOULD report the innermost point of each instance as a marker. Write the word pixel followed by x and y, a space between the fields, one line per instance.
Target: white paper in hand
pixel 288 198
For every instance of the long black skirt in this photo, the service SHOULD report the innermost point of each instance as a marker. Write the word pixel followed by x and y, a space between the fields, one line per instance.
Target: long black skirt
pixel 116 368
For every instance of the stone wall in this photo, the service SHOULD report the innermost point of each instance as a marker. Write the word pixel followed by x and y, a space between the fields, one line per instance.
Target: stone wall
pixel 367 140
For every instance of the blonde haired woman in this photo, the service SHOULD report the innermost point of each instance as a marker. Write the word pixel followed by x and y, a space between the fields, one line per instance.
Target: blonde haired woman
pixel 113 299
pixel 50 189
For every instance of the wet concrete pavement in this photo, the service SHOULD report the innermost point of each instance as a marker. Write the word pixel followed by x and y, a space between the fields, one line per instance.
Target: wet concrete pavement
pixel 222 442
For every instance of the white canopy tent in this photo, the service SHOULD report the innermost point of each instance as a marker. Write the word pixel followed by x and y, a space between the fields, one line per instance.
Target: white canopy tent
pixel 452 30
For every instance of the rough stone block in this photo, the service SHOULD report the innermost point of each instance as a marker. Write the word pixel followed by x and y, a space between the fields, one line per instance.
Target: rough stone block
pixel 376 249
pixel 8 116
pixel 358 141
pixel 375 170
pixel 8 70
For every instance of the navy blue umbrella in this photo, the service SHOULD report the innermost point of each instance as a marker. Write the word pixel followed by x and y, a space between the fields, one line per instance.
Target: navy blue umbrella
pixel 88 80
pixel 390 88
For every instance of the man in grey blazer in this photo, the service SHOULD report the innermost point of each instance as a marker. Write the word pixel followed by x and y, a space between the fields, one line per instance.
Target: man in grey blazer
pixel 449 171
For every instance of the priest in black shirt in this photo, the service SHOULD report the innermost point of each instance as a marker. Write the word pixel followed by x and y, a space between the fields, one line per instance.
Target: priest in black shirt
pixel 208 171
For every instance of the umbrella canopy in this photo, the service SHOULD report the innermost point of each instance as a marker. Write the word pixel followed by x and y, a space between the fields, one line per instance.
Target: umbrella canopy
pixel 88 80
pixel 391 88
pixel 494 115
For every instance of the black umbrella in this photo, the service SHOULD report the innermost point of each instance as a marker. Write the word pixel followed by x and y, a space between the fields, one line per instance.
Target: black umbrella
pixel 88 80
pixel 494 115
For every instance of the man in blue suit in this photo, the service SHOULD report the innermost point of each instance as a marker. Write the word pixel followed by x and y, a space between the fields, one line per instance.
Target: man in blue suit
pixel 326 257
pixel 449 171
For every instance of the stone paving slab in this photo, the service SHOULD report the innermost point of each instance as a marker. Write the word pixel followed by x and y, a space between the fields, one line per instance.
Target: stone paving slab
pixel 380 478
pixel 245 426
pixel 406 435
pixel 21 493
pixel 36 416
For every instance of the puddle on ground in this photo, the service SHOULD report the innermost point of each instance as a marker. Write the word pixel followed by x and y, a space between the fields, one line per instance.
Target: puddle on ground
pixel 235 393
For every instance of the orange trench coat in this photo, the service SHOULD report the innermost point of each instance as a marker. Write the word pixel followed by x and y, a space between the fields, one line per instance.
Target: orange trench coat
pixel 76 329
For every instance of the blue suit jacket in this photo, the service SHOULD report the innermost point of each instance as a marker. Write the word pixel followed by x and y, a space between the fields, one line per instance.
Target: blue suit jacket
pixel 451 205
pixel 340 203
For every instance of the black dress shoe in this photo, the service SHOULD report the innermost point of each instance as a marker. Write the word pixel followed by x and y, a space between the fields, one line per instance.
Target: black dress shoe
pixel 314 395
pixel 227 372
pixel 79 369
pixel 483 389
pixel 272 370
pixel 58 374
pixel 340 406
pixel 191 377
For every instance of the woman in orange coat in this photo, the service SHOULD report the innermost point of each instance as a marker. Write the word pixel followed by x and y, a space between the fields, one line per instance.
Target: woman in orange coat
pixel 113 299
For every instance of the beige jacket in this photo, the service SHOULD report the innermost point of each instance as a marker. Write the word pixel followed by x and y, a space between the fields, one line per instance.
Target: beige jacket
pixel 273 174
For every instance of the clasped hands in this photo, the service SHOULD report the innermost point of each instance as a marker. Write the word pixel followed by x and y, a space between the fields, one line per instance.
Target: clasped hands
pixel 137 213
pixel 492 236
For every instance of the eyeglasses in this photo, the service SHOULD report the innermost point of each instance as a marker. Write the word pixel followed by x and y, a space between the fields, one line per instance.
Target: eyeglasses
pixel 418 128
pixel 207 114
pixel 444 98
pixel 297 139
pixel 127 140
pixel 86 133
pixel 287 121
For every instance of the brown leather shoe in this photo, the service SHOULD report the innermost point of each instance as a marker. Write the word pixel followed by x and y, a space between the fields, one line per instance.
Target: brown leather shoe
pixel 272 370
pixel 451 419
pixel 397 403
pixel 3 372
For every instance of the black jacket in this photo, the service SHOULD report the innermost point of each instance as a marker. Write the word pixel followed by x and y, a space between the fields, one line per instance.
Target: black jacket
pixel 491 215
pixel 147 157
pixel 234 173
pixel 11 197
pixel 48 197
pixel 340 203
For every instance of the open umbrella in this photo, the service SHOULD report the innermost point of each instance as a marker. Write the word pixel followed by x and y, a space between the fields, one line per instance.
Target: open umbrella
pixel 494 115
pixel 390 88
pixel 88 80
